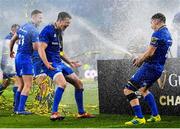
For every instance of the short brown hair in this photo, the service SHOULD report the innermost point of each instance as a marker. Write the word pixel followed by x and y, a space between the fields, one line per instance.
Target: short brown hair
pixel 63 15
pixel 159 16
pixel 15 26
pixel 34 12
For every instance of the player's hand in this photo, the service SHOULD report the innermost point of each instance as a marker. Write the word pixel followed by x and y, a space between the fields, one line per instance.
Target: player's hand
pixel 134 60
pixel 75 64
pixel 137 62
pixel 50 67
pixel 12 54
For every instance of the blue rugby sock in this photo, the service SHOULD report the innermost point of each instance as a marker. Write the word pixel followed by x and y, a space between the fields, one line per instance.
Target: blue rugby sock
pixel 79 100
pixel 137 111
pixel 152 104
pixel 57 98
pixel 14 91
pixel 17 98
pixel 1 87
pixel 22 102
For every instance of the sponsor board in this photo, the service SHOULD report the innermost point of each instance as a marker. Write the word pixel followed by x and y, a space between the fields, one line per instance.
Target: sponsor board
pixel 114 74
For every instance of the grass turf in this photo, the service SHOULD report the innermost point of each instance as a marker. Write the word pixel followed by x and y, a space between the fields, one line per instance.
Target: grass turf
pixel 101 121
pixel 9 120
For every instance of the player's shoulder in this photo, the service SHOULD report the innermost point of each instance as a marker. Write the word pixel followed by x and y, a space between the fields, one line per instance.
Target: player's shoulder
pixel 28 27
pixel 49 27
pixel 47 30
pixel 165 33
pixel 156 35
pixel 9 36
pixel 161 32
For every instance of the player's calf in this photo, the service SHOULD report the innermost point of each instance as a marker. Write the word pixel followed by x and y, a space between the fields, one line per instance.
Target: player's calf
pixel 134 102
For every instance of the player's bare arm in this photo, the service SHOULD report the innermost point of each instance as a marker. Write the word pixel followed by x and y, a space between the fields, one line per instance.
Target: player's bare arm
pixel 36 45
pixel 12 42
pixel 41 50
pixel 145 56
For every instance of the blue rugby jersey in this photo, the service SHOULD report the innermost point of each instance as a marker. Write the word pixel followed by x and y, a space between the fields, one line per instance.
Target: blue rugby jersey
pixel 27 35
pixel 9 36
pixel 49 36
pixel 161 39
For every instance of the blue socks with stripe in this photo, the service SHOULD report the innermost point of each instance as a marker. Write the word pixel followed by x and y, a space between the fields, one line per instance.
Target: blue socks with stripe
pixel 79 100
pixel 1 88
pixel 14 91
pixel 22 102
pixel 57 98
pixel 17 98
pixel 152 104
pixel 137 111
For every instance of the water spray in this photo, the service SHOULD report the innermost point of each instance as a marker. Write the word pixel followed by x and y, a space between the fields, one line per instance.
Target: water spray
pixel 100 37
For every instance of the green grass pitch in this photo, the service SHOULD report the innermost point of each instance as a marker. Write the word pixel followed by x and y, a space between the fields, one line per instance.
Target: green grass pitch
pixel 9 120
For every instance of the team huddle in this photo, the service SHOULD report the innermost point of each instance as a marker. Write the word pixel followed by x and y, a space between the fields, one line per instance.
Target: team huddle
pixel 41 54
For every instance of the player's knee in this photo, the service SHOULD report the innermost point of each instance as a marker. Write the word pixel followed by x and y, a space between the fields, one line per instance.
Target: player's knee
pixel 126 91
pixel 20 87
pixel 27 85
pixel 131 96
pixel 26 90
pixel 79 84
pixel 143 91
pixel 62 84
pixel 129 88
pixel 59 80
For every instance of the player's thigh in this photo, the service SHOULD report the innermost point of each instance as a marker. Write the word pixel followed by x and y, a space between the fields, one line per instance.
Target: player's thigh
pixel 59 79
pixel 74 80
pixel 27 79
pixel 66 70
pixel 71 77
pixel 20 82
pixel 136 81
pixel 139 74
pixel 150 79
pixel 56 75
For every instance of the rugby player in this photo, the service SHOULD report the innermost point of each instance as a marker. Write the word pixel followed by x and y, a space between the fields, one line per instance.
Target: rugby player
pixel 151 64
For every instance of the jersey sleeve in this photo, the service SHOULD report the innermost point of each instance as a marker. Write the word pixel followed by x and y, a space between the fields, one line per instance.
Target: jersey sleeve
pixel 154 39
pixel 35 36
pixel 44 35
